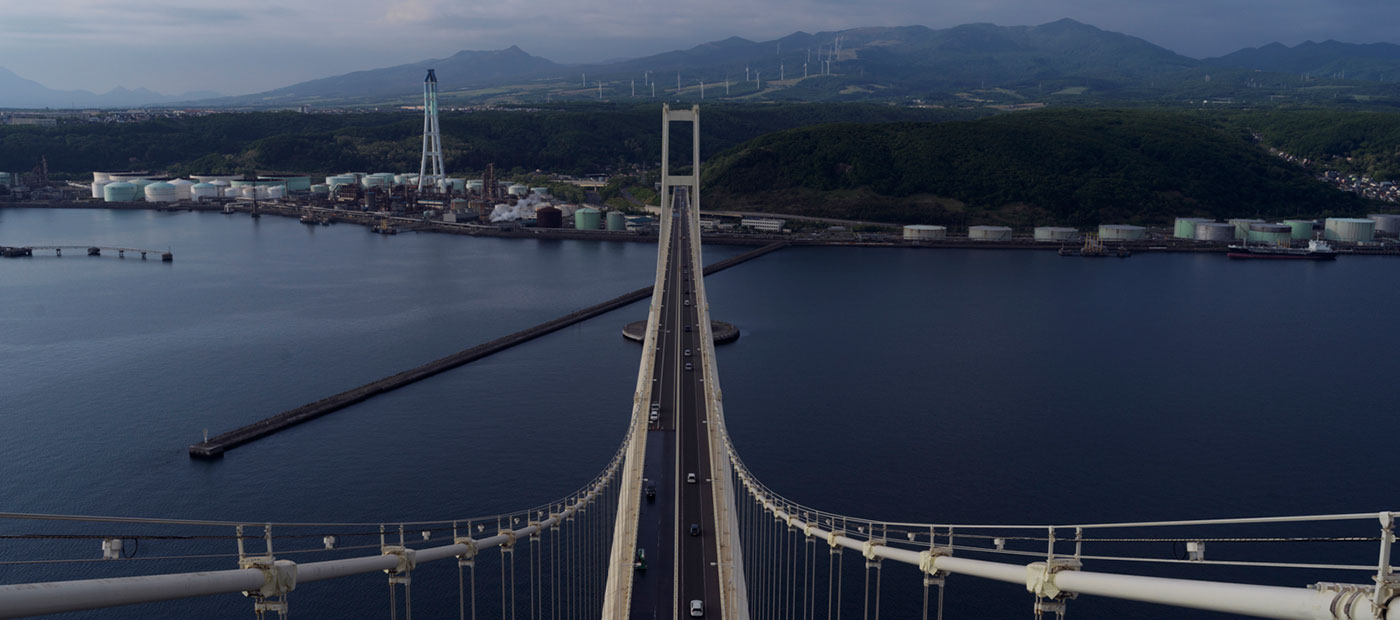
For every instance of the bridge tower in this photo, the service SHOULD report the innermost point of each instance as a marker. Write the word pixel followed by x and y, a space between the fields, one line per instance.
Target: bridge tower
pixel 431 172
pixel 669 181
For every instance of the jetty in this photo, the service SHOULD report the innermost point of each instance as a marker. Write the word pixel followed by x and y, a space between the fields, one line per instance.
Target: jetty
pixel 214 447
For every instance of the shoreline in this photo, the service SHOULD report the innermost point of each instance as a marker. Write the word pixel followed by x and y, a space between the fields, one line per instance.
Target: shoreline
pixel 409 224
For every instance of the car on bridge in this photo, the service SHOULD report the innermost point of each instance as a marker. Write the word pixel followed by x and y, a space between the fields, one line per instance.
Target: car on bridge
pixel 688 366
pixel 694 529
pixel 690 478
pixel 697 609
pixel 641 562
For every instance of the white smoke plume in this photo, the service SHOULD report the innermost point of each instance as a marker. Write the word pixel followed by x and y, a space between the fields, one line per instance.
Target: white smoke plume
pixel 525 209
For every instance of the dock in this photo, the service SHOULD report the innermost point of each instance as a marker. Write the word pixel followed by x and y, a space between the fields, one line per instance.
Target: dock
pixel 92 250
pixel 214 447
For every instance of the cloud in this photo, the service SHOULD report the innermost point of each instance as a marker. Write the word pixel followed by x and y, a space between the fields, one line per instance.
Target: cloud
pixel 262 44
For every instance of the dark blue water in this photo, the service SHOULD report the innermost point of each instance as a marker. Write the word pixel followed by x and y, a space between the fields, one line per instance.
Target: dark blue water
pixel 957 386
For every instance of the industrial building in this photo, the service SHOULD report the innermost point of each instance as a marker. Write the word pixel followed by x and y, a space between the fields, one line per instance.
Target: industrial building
pixel 763 224
pixel 1056 233
pixel 1121 232
pixel 924 232
pixel 989 233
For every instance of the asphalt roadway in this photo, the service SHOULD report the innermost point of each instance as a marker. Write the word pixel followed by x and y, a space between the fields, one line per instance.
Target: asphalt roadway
pixel 680 567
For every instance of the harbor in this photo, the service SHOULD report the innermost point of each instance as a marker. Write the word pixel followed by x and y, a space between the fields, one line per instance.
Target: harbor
pixel 216 446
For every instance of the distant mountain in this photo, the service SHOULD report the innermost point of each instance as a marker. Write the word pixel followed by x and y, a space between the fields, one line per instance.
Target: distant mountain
pixel 18 92
pixel 1328 59
pixel 461 70
pixel 916 57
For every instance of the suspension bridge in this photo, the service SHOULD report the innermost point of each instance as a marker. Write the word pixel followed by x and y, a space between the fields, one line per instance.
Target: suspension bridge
pixel 677 526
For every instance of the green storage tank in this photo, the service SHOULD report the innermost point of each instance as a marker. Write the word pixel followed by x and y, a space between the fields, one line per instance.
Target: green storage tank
pixel 617 221
pixel 120 192
pixel 1302 229
pixel 1186 227
pixel 587 218
pixel 1270 234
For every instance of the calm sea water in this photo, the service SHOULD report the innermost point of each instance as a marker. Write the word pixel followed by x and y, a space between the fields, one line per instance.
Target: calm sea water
pixel 964 386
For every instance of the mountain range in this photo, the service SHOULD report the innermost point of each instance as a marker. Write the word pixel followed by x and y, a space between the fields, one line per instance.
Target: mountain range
pixel 18 92
pixel 973 64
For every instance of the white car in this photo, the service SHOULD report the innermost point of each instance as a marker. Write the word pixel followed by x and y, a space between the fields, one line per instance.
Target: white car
pixel 690 478
pixel 697 609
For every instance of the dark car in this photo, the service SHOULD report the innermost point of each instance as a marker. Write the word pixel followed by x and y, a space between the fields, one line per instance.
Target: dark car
pixel 687 329
pixel 694 529
pixel 651 491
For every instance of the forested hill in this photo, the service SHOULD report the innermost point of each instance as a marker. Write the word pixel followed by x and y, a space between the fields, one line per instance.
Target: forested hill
pixel 1080 167
pixel 570 138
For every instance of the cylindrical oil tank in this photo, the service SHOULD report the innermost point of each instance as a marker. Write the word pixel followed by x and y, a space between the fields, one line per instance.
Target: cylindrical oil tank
pixel 1349 229
pixel 220 183
pixel 567 210
pixel 1270 234
pixel 617 220
pixel 1242 226
pixel 292 182
pixel 96 185
pixel 243 182
pixel 922 232
pixel 160 192
pixel 247 191
pixel 127 175
pixel 988 233
pixel 1300 229
pixel 587 218
pixel 119 191
pixel 211 178
pixel 400 179
pixel 540 191
pixel 475 185
pixel 232 192
pixel 182 188
pixel 200 191
pixel 549 217
pixel 373 181
pixel 340 179
pixel 1186 227
pixel 1121 232
pixel 457 185
pixel 140 184
pixel 1215 231
pixel 96 176
pixel 1386 222
pixel 276 192
pixel 1055 233
pixel 517 190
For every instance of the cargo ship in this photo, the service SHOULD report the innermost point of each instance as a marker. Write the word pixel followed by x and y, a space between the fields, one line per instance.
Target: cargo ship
pixel 1316 250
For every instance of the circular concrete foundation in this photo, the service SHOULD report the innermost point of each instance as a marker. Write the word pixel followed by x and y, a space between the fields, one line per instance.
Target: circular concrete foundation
pixel 723 332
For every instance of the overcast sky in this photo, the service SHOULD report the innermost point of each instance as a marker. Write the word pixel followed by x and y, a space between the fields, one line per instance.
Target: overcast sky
pixel 242 46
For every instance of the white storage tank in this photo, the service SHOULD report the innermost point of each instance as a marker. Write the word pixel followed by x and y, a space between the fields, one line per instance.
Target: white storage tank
pixel 182 188
pixel 1301 229
pixel 160 192
pixel 988 233
pixel 200 191
pixel 1121 232
pixel 1386 222
pixel 231 192
pixel 540 191
pixel 517 190
pixel 924 232
pixel 248 191
pixel 1215 231
pixel 1186 227
pixel 1055 233
pixel 1349 229
pixel 97 187
pixel 96 176
pixel 211 178
pixel 475 185
pixel 374 181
